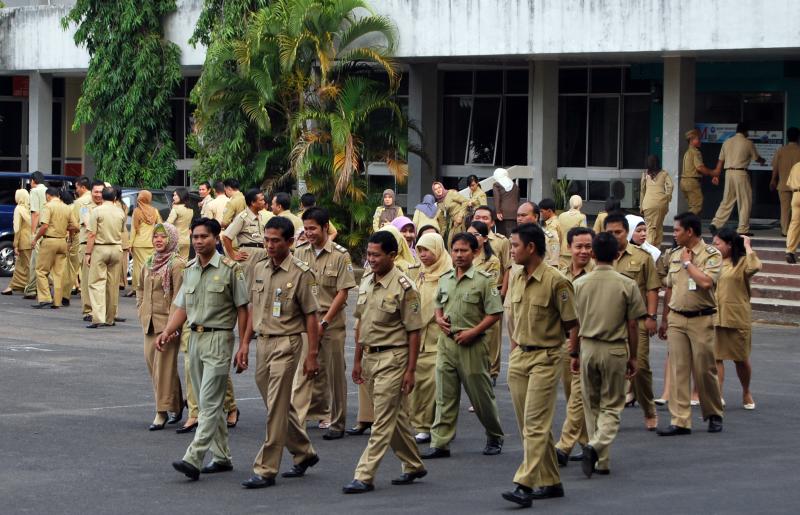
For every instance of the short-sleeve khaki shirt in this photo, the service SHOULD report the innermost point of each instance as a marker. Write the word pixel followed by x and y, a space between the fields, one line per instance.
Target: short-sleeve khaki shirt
pixel 620 300
pixel 38 198
pixel 639 266
pixel 296 221
pixel 387 310
pixel 246 228
pixel 692 161
pixel 785 158
pixel 211 294
pixel 82 207
pixel 737 152
pixel 58 217
pixel 282 297
pixel 467 300
pixel 334 272
pixel 501 247
pixel 552 245
pixel 683 297
pixel 235 205
pixel 107 223
pixel 540 305
pixel 567 270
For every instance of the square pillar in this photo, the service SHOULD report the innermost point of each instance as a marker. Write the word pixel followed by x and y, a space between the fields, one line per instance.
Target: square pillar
pixel 542 128
pixel 40 123
pixel 423 110
pixel 679 97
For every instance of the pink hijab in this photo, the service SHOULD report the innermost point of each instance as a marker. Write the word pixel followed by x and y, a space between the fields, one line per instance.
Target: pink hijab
pixel 401 222
pixel 160 263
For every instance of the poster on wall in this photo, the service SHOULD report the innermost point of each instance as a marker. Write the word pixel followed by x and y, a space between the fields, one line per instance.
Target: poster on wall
pixel 766 142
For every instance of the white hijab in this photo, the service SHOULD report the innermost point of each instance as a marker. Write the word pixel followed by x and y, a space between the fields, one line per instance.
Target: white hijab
pixel 501 176
pixel 634 222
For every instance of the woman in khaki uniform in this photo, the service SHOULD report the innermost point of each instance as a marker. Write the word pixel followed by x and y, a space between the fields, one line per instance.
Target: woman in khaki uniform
pixel 387 212
pixel 452 210
pixel 655 195
pixel 426 213
pixel 181 217
pixel 145 218
pixel 477 197
pixel 22 242
pixel 486 260
pixel 435 263
pixel 159 282
pixel 733 319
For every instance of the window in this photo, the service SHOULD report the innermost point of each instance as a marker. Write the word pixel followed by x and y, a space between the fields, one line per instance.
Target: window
pixel 603 118
pixel 182 122
pixel 485 117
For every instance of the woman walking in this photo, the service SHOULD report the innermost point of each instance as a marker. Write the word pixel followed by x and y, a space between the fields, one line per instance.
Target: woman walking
pixel 734 318
pixel 159 281
pixel 506 201
pixel 22 242
pixel 452 210
pixel 181 217
pixel 654 196
pixel 145 218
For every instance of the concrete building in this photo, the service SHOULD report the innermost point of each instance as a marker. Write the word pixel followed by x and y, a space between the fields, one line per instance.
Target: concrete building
pixel 582 90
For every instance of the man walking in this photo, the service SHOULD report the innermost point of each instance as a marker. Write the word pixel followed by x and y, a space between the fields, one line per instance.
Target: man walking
pixel 103 258
pixel 56 223
pixel 247 229
pixel 785 158
pixel 38 200
pixel 467 306
pixel 599 350
pixel 693 171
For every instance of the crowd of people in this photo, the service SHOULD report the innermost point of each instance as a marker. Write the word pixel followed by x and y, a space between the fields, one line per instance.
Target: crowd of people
pixel 437 292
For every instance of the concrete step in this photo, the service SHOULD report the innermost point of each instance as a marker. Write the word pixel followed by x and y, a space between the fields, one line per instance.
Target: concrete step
pixel 775 292
pixel 781 280
pixel 759 241
pixel 779 267
pixel 790 307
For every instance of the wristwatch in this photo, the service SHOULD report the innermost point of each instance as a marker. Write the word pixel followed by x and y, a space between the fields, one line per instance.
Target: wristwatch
pixel 654 316
pixel 686 264
pixel 324 324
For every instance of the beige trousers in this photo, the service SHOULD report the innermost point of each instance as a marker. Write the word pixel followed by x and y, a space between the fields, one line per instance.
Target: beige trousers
pixel 573 431
pixel 738 192
pixel 51 262
pixel 21 270
pixel 793 233
pixel 693 192
pixel 785 198
pixel 104 283
pixel 163 369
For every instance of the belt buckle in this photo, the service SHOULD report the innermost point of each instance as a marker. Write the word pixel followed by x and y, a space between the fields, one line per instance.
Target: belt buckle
pixel 199 329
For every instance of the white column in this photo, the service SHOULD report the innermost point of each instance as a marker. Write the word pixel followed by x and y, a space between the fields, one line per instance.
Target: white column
pixel 542 128
pixel 423 110
pixel 679 94
pixel 40 123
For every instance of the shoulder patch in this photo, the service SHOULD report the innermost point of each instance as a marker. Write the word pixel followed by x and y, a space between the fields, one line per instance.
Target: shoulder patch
pixel 229 262
pixel 339 248
pixel 404 282
pixel 414 266
pixel 548 233
pixel 485 273
pixel 712 249
pixel 242 215
pixel 300 263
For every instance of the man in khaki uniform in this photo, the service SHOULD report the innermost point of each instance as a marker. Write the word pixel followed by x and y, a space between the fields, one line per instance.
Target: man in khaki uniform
pixel 543 307
pixel 693 171
pixel 387 345
pixel 103 257
pixel 599 350
pixel 793 233
pixel 785 158
pixel 247 230
pixel 72 271
pixel 528 213
pixel 236 203
pixel 56 222
pixel 551 225
pixel 215 208
pixel 735 156
pixel 467 305
pixel 501 247
pixel 211 301
pixel 284 305
pixel 334 270
pixel 687 323
pixel 573 431
pixel 38 200
pixel 83 208
pixel 307 201
pixel 281 203
pixel 637 264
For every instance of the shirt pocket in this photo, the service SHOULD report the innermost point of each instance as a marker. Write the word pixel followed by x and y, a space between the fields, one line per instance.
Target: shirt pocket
pixel 472 297
pixel 539 307
pixel 191 296
pixel 257 294
pixel 632 271
pixel 329 277
pixel 216 294
pixel 387 311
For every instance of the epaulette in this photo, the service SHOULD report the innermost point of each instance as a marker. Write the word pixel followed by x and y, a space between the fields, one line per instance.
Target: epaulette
pixel 672 251
pixel 228 261
pixel 712 249
pixel 500 236
pixel 548 233
pixel 192 262
pixel 242 215
pixel 414 266
pixel 404 282
pixel 339 248
pixel 302 245
pixel 302 264
pixel 485 273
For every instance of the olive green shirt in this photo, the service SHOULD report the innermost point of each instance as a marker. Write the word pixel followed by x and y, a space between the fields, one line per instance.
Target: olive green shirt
pixel 620 300
pixel 467 300
pixel 211 294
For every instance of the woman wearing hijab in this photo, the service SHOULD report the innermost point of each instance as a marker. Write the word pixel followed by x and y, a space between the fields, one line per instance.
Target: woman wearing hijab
pixel 145 218
pixel 435 263
pixel 426 212
pixel 734 316
pixel 387 212
pixel 638 236
pixel 477 197
pixel 409 232
pixel 452 210
pixel 181 216
pixel 159 281
pixel 506 201
pixel 654 196
pixel 22 242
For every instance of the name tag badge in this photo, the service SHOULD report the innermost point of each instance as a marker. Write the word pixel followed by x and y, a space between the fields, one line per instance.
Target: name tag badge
pixel 276 309
pixel 692 285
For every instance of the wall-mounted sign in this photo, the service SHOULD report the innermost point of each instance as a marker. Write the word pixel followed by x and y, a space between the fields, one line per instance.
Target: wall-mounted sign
pixel 767 142
pixel 20 85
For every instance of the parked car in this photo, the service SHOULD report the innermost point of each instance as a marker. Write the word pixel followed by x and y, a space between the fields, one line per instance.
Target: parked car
pixel 10 182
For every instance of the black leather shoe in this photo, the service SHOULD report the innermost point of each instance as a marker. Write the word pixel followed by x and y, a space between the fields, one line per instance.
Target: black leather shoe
pixel 29 297
pixel 589 459
pixel 521 495
pixel 330 434
pixel 493 447
pixel 714 424
pixel 562 457
pixel 186 429
pixel 117 319
pixel 357 487
pixel 187 469
pixel 40 305
pixel 408 477
pixel 791 258
pixel 87 318
pixel 674 431
pixel 602 472
pixel 53 306
pixel 157 427
pixel 577 457
pixel 299 469
pixel 216 467
pixel 435 452
pixel 359 429
pixel 548 492
pixel 65 302
pixel 174 418
pixel 256 481
pixel 94 326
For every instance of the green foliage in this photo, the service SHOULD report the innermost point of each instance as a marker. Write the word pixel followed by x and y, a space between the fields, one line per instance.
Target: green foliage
pixel 133 71
pixel 561 192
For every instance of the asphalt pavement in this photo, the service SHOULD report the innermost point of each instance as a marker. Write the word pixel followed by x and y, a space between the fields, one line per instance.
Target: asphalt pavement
pixel 75 405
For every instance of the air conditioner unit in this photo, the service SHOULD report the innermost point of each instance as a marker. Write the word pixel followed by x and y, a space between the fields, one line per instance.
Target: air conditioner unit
pixel 626 190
